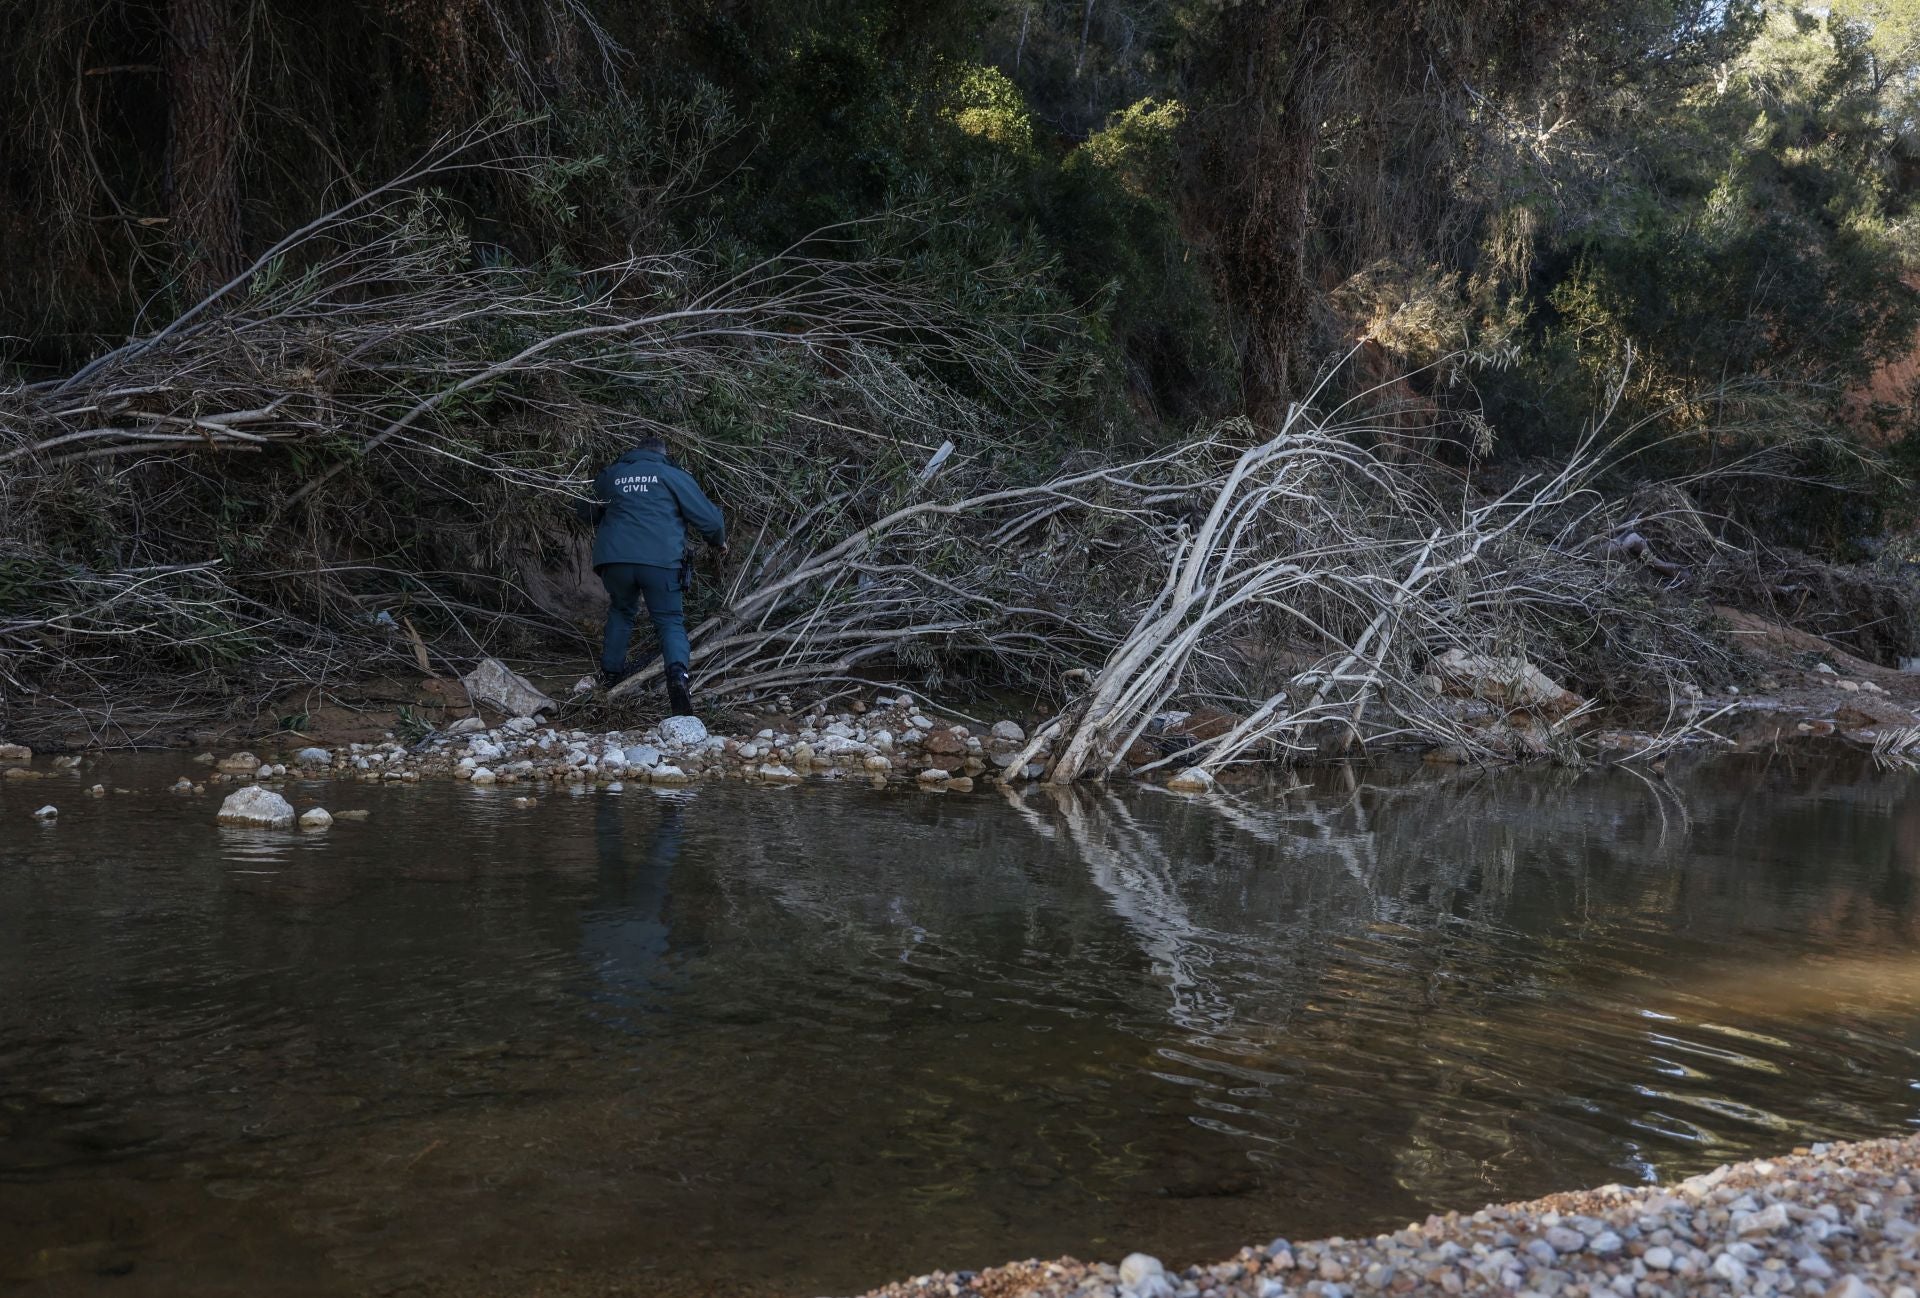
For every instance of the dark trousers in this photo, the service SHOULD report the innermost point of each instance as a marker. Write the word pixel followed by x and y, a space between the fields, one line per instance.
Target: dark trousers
pixel 628 584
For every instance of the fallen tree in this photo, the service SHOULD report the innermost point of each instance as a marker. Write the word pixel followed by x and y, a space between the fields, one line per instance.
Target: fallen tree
pixel 378 425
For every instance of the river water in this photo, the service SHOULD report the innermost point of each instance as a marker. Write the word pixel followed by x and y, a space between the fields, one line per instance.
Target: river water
pixel 738 1041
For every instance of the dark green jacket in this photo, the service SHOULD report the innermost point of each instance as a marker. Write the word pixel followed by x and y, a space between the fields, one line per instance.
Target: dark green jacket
pixel 644 506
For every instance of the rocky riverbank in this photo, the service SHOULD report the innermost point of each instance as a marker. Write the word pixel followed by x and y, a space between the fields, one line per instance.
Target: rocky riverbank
pixel 889 740
pixel 1834 1221
pixel 1799 693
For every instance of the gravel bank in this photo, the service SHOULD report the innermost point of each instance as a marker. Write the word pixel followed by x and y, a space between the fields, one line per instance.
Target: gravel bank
pixel 1839 1221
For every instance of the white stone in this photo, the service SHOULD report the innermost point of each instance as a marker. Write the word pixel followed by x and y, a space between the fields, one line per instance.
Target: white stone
pixel 317 818
pixel 15 753
pixel 642 755
pixel 264 772
pixel 1825 670
pixel 1730 1269
pixel 258 807
pixel 882 741
pixel 485 750
pixel 241 763
pixel 1853 1286
pixel 1194 780
pixel 668 775
pixel 466 726
pixel 1659 1257
pixel 313 757
pixel 519 725
pixel 772 771
pixel 1605 1243
pixel 934 775
pixel 47 812
pixel 1007 732
pixel 1511 680
pixel 1851 687
pixel 878 763
pixel 1771 1218
pixel 682 731
pixel 919 722
pixel 492 681
pixel 616 787
pixel 481 775
pixel 1142 1276
pixel 1816 1266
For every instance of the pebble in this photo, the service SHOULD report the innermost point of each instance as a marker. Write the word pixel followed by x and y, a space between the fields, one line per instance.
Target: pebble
pixel 316 818
pixel 47 812
pixel 1565 1240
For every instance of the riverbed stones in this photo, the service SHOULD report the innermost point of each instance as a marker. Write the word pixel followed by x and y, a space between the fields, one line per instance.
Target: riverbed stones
pixel 15 753
pixel 47 812
pixel 1007 732
pixel 778 774
pixel 1847 1229
pixel 240 763
pixel 682 732
pixel 316 818
pixel 1194 779
pixel 668 774
pixel 314 757
pixel 643 756
pixel 257 808
pixel 482 776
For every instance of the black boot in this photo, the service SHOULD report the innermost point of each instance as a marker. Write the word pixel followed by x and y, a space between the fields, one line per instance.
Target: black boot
pixel 679 698
pixel 611 678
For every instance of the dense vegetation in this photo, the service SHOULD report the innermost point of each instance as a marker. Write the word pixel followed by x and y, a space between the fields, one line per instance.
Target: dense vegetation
pixel 1041 229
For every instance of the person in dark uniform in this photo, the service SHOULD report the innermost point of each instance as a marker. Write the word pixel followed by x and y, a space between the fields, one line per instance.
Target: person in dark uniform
pixel 643 506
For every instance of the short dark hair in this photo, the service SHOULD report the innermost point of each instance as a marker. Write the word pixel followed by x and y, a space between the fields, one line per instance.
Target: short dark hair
pixel 651 442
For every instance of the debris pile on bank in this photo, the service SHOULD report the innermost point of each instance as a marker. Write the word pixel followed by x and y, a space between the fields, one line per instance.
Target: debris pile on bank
pixel 1835 1221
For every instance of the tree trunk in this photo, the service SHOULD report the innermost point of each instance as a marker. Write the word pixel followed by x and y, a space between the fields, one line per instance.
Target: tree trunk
pixel 203 141
pixel 1267 256
pixel 1258 151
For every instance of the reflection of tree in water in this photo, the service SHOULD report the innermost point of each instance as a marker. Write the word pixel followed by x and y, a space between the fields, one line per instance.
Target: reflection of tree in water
pixel 1528 959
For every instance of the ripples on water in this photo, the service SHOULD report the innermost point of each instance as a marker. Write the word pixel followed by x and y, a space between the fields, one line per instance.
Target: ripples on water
pixel 797 1041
